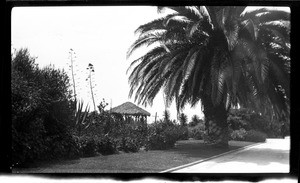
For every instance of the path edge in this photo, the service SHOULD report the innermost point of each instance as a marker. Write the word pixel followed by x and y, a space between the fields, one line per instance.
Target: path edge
pixel 213 157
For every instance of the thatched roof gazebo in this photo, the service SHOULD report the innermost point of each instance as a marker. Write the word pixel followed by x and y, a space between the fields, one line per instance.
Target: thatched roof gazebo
pixel 129 110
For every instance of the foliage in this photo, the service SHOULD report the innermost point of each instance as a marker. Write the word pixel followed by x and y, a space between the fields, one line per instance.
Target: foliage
pixel 133 136
pixel 197 132
pixel 130 144
pixel 220 55
pixel 63 147
pixel 183 132
pixel 183 119
pixel 238 135
pixel 249 120
pixel 80 117
pixel 87 146
pixel 255 136
pixel 25 145
pixel 113 133
pixel 162 135
pixel 195 120
pixel 230 51
pixel 102 105
pixel 41 111
pixel 106 145
pixel 166 116
pixel 250 136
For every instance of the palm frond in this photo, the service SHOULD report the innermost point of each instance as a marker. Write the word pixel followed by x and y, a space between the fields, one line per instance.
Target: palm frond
pixel 251 28
pixel 177 19
pixel 283 27
pixel 224 55
pixel 273 15
pixel 146 39
pixel 154 25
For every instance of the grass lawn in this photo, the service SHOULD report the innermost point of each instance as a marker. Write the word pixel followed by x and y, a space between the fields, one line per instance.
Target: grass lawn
pixel 185 152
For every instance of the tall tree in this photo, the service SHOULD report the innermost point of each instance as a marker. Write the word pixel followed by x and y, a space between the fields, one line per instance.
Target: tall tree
pixel 195 120
pixel 166 116
pixel 183 119
pixel 221 56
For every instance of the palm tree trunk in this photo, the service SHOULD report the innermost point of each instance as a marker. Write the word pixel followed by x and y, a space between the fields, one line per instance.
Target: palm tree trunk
pixel 216 123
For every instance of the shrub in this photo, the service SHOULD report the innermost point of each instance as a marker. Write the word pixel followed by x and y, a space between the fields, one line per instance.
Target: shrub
pixel 255 136
pixel 238 134
pixel 250 120
pixel 87 146
pixel 183 133
pixel 129 144
pixel 115 134
pixel 162 135
pixel 195 121
pixel 133 136
pixel 197 132
pixel 41 110
pixel 72 148
pixel 28 143
pixel 106 145
pixel 210 138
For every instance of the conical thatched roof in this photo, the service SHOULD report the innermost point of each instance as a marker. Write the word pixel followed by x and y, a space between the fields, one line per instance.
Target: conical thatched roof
pixel 129 108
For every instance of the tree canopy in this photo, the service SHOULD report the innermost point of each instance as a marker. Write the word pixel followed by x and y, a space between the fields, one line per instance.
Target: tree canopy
pixel 222 53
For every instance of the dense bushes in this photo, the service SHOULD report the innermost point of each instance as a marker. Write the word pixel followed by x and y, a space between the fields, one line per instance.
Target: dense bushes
pixel 112 133
pixel 197 132
pixel 87 146
pixel 247 125
pixel 195 120
pixel 244 125
pixel 41 111
pixel 106 145
pixel 238 134
pixel 44 124
pixel 255 136
pixel 249 120
pixel 250 136
pixel 164 134
pixel 130 136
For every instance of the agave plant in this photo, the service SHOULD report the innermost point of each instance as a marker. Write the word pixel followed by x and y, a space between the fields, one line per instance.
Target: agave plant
pixel 81 121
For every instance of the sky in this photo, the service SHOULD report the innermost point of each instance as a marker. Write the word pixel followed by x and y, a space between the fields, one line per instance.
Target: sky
pixel 98 35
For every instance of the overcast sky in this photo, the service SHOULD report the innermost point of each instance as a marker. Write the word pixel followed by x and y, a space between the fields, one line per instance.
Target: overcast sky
pixel 98 35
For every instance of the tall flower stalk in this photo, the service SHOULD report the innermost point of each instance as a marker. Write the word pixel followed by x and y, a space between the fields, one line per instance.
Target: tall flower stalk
pixel 90 68
pixel 72 56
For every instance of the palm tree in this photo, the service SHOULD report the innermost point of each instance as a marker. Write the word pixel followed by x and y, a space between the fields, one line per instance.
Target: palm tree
pixel 183 119
pixel 221 56
pixel 166 116
pixel 194 121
